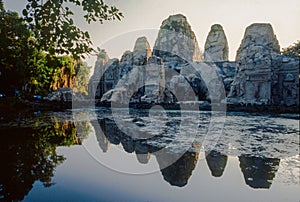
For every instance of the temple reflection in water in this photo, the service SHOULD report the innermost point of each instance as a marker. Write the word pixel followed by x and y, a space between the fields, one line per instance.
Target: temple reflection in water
pixel 30 153
pixel 258 172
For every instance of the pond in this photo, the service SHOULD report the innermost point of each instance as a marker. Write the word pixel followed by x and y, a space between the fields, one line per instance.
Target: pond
pixel 149 155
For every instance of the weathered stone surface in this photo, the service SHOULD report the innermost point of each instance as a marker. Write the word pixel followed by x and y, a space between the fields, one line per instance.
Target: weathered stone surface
pixel 154 79
pixel 260 75
pixel 195 82
pixel 126 63
pixel 111 74
pixel 176 43
pixel 206 81
pixel 64 95
pixel 102 59
pixel 263 75
pixel 141 51
pixel 143 83
pixel 258 64
pixel 226 70
pixel 216 45
pixel 115 70
pixel 285 82
pixel 258 37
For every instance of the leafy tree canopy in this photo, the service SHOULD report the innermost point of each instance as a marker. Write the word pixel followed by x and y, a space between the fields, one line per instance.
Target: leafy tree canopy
pixel 292 50
pixel 16 48
pixel 53 26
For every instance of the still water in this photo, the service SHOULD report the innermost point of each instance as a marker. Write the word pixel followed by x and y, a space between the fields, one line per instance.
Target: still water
pixel 149 155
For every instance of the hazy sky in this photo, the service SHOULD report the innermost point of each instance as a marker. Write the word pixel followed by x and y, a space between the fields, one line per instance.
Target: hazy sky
pixel 143 17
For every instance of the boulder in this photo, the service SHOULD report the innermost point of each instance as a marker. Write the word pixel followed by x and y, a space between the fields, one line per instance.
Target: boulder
pixel 216 45
pixel 64 95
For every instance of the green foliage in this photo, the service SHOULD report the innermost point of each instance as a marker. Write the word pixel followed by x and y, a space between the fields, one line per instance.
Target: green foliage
pixel 82 77
pixel 30 53
pixel 54 28
pixel 41 70
pixel 47 71
pixel 15 49
pixel 292 50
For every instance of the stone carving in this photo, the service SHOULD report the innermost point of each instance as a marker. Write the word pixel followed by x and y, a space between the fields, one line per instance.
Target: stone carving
pixel 141 51
pixel 176 43
pixel 216 46
pixel 146 81
pixel 258 37
pixel 260 75
pixel 94 83
pixel 261 70
pixel 254 58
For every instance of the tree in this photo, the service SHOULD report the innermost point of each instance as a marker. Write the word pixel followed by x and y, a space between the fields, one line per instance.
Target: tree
pixel 33 49
pixel 54 29
pixel 292 50
pixel 14 50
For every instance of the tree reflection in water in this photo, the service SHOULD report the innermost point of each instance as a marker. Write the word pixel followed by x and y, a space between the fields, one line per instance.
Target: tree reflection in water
pixel 29 155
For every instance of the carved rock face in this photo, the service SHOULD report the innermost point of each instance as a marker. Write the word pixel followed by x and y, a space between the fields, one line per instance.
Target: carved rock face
pixel 258 38
pixel 260 75
pixel 176 40
pixel 257 57
pixel 141 51
pixel 149 76
pixel 216 46
pixel 102 59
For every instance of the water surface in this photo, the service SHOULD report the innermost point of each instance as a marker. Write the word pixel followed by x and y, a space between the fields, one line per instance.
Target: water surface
pixel 140 155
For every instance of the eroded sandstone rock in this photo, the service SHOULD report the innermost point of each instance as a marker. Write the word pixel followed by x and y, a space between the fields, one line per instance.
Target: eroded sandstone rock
pixel 216 45
pixel 143 83
pixel 142 51
pixel 176 43
pixel 260 75
pixel 256 60
pixel 102 59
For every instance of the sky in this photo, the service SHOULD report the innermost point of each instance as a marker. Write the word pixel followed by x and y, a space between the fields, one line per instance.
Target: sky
pixel 143 18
